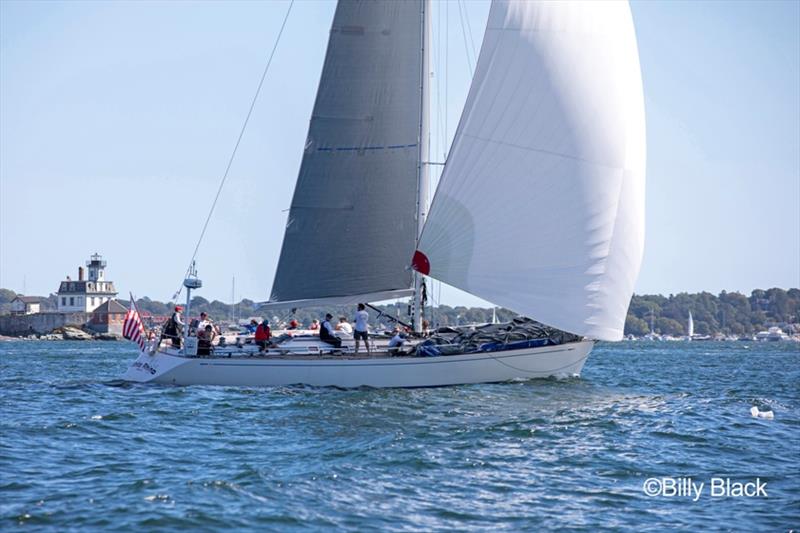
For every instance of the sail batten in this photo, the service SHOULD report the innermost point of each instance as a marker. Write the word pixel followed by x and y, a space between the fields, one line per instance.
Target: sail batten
pixel 540 207
pixel 351 225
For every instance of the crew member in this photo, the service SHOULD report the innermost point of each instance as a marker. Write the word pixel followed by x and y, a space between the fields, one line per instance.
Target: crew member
pixel 263 336
pixel 326 332
pixel 344 325
pixel 173 329
pixel 205 338
pixel 361 332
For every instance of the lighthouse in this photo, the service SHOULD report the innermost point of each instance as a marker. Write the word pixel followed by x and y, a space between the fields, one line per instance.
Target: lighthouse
pixel 89 291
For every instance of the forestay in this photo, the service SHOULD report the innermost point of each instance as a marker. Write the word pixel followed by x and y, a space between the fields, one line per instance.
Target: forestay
pixel 540 207
pixel 351 226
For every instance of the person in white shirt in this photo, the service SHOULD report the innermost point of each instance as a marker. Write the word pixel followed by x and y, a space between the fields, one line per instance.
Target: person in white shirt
pixel 206 321
pixel 344 326
pixel 397 341
pixel 361 332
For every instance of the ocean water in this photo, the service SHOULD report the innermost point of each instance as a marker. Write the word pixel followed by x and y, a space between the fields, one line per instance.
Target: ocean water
pixel 81 450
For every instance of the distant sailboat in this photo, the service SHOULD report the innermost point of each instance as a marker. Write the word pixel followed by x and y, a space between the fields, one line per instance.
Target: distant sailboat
pixel 540 207
pixel 691 335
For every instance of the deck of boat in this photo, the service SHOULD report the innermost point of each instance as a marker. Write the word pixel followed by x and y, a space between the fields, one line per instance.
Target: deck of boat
pixel 304 356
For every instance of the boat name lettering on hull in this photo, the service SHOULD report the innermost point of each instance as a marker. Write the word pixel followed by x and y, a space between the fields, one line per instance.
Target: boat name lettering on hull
pixel 145 367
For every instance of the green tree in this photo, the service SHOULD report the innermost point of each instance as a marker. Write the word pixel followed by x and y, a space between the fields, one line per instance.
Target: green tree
pixel 667 326
pixel 636 326
pixel 6 296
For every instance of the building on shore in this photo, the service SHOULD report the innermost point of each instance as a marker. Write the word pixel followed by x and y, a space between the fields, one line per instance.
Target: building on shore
pixel 26 305
pixel 86 295
pixel 108 318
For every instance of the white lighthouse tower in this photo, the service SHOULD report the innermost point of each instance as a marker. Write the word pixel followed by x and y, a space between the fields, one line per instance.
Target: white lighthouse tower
pixel 86 295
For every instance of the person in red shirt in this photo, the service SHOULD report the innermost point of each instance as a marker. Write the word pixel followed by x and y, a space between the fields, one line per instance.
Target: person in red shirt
pixel 263 335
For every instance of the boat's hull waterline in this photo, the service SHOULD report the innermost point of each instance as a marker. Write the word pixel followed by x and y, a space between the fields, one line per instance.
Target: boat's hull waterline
pixel 565 360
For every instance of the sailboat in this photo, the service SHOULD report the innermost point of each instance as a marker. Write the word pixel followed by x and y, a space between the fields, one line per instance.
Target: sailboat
pixel 539 208
pixel 691 335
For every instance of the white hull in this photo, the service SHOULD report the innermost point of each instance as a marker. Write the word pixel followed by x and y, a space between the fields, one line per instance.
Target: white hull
pixel 349 371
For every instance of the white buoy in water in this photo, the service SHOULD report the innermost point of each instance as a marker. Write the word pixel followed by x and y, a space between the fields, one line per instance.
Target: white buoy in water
pixel 761 414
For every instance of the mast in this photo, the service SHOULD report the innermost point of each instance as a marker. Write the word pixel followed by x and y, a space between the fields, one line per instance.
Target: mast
pixel 191 282
pixel 424 140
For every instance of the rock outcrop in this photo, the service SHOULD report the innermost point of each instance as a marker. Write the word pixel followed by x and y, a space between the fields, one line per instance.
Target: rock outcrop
pixel 72 333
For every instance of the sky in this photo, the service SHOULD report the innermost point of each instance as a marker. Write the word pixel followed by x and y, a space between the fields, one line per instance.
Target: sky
pixel 117 120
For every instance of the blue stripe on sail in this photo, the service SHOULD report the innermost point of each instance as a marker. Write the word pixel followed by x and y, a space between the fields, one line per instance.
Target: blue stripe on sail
pixel 395 146
pixel 365 148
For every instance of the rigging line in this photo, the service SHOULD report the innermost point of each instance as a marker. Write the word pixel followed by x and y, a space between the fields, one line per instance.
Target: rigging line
pixel 440 99
pixel 439 295
pixel 236 146
pixel 469 30
pixel 466 45
pixel 446 73
pixel 436 64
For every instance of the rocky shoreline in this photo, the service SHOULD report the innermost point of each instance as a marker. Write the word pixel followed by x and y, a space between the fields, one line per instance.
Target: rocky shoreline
pixel 66 333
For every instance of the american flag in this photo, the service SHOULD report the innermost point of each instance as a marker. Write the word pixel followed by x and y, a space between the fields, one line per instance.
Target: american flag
pixel 132 328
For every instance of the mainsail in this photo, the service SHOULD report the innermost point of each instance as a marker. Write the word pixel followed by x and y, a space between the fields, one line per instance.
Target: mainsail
pixel 352 224
pixel 540 207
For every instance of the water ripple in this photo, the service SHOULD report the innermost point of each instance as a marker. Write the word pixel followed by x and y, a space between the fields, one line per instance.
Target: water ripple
pixel 80 449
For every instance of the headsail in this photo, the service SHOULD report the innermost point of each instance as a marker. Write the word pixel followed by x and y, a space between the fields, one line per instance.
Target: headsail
pixel 540 207
pixel 351 226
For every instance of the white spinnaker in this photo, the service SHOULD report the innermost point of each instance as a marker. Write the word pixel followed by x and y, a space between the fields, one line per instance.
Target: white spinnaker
pixel 541 204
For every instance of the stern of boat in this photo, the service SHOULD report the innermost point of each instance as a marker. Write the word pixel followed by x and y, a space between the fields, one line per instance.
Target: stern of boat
pixel 151 365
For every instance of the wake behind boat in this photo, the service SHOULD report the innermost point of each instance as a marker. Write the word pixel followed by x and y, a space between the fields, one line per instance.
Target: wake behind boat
pixel 540 206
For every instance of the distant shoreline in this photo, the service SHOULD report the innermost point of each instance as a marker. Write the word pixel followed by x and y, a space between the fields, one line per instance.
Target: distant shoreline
pixel 728 313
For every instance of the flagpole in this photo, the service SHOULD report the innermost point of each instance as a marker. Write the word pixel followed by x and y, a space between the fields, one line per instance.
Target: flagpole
pixel 133 306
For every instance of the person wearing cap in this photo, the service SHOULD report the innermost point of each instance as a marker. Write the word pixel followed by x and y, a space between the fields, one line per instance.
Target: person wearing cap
pixel 293 324
pixel 263 335
pixel 326 333
pixel 174 327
